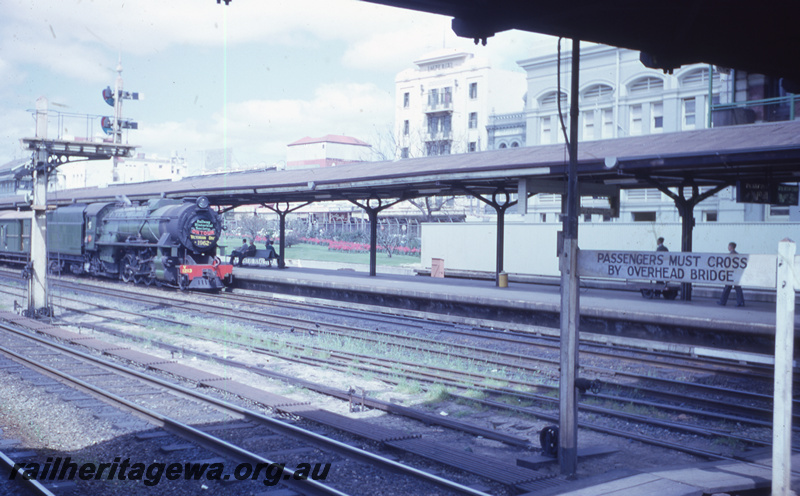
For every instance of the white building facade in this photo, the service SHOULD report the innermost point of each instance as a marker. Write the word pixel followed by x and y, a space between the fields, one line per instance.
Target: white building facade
pixel 443 103
pixel 327 151
pixel 137 169
pixel 620 97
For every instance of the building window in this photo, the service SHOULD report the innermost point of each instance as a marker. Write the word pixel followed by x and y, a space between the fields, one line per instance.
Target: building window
pixel 636 120
pixel 447 123
pixel 406 100
pixel 439 123
pixel 657 117
pixel 644 216
pixel 473 120
pixel 588 125
pixel 643 195
pixel 473 147
pixel 709 216
pixel 689 113
pixel 514 144
pixel 646 85
pixel 404 152
pixel 405 127
pixel 473 91
pixel 548 101
pixel 502 145
pixel 778 212
pixel 597 92
pixel 608 123
pixel 698 78
pixel 438 148
pixel 545 130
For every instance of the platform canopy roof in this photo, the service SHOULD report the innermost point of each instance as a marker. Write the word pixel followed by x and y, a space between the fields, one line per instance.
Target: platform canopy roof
pixel 708 157
pixel 760 37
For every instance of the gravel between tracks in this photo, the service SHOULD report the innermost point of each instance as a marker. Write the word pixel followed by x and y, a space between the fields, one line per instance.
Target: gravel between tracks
pixel 67 429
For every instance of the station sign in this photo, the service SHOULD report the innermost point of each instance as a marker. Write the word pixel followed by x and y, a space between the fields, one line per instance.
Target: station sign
pixel 785 195
pixel 705 268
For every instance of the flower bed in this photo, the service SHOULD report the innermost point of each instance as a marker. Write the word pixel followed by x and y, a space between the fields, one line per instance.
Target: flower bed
pixel 353 247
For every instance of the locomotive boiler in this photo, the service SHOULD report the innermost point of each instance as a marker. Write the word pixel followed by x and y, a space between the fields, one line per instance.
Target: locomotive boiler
pixel 164 241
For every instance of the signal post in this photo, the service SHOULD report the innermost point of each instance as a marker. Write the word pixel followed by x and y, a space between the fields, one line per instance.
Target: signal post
pixel 48 154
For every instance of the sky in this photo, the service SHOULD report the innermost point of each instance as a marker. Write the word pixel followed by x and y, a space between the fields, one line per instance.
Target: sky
pixel 252 76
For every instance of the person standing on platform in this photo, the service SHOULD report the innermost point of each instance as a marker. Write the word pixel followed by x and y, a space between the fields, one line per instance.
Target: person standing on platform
pixel 660 247
pixel 727 291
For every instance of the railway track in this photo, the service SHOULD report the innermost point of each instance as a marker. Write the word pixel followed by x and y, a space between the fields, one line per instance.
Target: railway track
pixel 312 327
pixel 654 364
pixel 16 484
pixel 16 344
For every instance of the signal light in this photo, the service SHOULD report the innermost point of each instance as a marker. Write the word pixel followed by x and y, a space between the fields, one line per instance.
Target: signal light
pixel 108 95
pixel 107 124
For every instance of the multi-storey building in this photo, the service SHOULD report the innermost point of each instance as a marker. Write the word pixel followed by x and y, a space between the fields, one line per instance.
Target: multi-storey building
pixel 620 97
pixel 443 103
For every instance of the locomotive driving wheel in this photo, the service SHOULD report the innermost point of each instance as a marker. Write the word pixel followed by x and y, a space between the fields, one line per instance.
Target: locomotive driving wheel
pixel 128 272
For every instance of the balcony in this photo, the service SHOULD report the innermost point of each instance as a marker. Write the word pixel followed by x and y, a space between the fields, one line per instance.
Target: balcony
pixel 439 135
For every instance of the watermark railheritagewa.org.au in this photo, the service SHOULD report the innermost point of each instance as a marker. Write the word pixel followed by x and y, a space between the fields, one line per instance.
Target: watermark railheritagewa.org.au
pixel 60 469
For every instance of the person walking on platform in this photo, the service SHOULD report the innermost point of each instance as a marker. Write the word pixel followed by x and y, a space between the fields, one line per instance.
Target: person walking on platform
pixel 660 243
pixel 727 291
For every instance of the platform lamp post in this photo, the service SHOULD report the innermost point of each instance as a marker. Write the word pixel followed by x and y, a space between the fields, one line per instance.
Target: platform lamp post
pixel 570 314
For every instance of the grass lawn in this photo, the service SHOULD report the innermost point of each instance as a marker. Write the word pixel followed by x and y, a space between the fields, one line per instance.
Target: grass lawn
pixel 322 254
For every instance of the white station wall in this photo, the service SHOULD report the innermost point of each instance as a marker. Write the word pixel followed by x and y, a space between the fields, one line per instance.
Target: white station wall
pixel 531 248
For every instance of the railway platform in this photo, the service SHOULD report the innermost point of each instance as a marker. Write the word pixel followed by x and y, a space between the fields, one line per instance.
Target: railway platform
pixel 610 312
pixel 725 477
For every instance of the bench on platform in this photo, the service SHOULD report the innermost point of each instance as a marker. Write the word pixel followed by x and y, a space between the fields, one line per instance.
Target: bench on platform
pixel 262 256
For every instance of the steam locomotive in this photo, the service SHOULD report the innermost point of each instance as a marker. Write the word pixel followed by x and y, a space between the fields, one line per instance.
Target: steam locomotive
pixel 164 242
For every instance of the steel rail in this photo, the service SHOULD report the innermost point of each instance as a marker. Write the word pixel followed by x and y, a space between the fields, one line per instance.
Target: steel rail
pixel 650 378
pixel 613 353
pixel 272 423
pixel 457 383
pixel 181 429
pixel 30 485
pixel 258 318
pixel 675 396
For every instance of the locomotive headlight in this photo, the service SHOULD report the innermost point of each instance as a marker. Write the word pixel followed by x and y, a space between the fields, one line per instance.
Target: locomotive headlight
pixel 202 202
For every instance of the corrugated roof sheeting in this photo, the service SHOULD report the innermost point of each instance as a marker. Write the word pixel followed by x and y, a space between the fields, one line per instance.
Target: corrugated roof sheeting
pixel 723 152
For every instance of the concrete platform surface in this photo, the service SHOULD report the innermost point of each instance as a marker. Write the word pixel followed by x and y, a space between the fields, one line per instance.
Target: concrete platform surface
pixel 754 318
pixel 695 480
